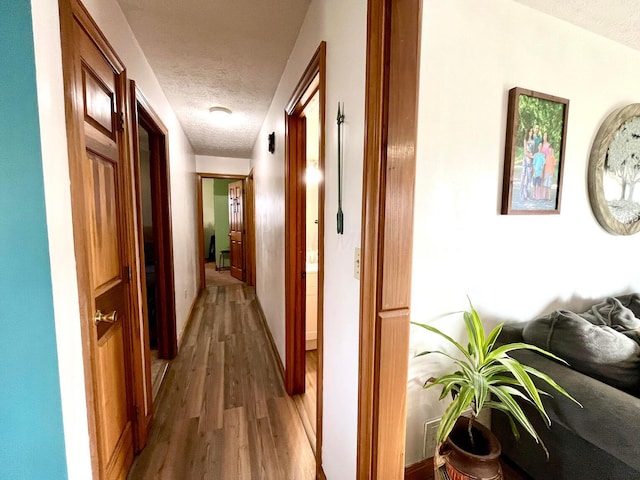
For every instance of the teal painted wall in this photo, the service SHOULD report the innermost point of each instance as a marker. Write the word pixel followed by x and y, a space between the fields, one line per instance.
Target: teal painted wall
pixel 31 434
pixel 221 213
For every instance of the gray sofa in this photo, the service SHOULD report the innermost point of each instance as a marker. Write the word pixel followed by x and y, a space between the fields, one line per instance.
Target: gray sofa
pixel 601 440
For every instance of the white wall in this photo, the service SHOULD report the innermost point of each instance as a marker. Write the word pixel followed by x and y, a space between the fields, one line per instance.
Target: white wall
pixel 111 20
pixel 223 165
pixel 472 54
pixel 55 164
pixel 342 23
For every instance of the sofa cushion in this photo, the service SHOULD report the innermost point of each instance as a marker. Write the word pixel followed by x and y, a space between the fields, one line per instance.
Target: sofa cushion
pixel 601 342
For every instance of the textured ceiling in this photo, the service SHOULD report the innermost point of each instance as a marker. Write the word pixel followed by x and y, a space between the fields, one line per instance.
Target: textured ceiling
pixel 618 20
pixel 232 53
pixel 228 53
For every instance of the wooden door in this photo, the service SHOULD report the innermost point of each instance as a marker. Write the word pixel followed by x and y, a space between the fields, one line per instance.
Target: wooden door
pixel 99 91
pixel 236 229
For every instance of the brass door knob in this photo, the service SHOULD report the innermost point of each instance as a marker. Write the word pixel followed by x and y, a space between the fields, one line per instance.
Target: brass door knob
pixel 107 318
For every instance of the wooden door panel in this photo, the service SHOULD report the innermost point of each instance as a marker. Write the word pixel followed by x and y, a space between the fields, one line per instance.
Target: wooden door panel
pixel 112 395
pixel 104 232
pixel 99 103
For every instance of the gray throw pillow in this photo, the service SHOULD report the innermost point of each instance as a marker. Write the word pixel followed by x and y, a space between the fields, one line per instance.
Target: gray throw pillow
pixel 595 350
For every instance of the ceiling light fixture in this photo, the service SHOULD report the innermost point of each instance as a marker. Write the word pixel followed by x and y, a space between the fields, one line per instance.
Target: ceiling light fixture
pixel 220 113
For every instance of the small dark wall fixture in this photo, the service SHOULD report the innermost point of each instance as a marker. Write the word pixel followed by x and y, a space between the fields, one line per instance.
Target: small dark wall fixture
pixel 272 142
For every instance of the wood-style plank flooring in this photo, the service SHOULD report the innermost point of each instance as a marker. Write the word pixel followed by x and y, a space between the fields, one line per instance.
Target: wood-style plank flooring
pixel 306 402
pixel 222 412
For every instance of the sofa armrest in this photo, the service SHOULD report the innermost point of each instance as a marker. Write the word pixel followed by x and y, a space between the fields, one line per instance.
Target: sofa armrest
pixel 609 419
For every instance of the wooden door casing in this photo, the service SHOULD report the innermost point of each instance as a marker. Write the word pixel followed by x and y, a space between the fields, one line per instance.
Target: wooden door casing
pixel 312 81
pixel 236 229
pixel 249 226
pixel 101 192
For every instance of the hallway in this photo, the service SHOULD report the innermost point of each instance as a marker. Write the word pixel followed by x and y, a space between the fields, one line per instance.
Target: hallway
pixel 222 412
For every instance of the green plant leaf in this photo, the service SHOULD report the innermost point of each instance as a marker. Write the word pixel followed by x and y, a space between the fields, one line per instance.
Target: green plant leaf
pixel 509 402
pixel 475 331
pixel 504 349
pixel 480 390
pixel 493 336
pixel 550 381
pixel 446 337
pixel 524 379
pixel 504 409
pixel 451 414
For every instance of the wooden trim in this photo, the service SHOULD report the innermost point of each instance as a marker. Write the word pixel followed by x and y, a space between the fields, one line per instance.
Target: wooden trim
pixel 162 224
pixel 202 283
pixel 295 208
pixel 322 92
pixel 187 324
pixel 201 277
pixel 143 386
pixel 221 175
pixel 387 219
pixel 320 473
pixel 295 254
pixel 313 80
pixel 422 470
pixel 272 343
pixel 250 228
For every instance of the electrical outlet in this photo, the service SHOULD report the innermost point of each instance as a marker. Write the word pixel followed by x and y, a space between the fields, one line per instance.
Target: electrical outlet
pixel 356 264
pixel 430 430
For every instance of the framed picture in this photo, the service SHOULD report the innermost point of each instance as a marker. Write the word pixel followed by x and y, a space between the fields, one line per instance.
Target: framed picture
pixel 534 153
pixel 614 172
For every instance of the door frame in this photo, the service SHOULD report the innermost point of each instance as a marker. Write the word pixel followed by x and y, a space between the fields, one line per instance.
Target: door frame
pixel 142 112
pixel 201 281
pixel 312 80
pixel 70 12
pixel 250 228
pixel 391 120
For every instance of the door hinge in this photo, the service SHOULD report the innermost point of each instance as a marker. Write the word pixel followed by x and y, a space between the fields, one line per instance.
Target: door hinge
pixel 127 273
pixel 121 124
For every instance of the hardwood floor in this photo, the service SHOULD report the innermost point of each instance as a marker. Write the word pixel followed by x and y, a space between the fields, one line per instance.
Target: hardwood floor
pixel 222 412
pixel 159 368
pixel 306 402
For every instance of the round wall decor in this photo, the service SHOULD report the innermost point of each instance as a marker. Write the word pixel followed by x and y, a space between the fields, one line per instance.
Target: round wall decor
pixel 614 172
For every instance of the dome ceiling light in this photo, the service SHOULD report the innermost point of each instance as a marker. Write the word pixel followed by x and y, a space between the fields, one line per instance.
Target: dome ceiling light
pixel 220 113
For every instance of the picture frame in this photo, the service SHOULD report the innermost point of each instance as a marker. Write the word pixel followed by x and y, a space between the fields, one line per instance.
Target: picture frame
pixel 534 153
pixel 614 172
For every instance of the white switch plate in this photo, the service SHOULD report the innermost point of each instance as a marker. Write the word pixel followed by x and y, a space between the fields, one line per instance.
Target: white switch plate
pixel 356 264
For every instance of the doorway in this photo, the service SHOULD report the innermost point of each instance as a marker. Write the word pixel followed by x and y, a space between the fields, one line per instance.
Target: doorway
pixel 155 243
pixel 223 224
pixel 306 401
pixel 304 245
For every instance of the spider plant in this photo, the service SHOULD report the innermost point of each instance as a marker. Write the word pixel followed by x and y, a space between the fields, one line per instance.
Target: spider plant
pixel 487 377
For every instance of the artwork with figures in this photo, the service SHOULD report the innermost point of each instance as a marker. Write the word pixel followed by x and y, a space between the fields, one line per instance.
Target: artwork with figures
pixel 614 172
pixel 534 152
